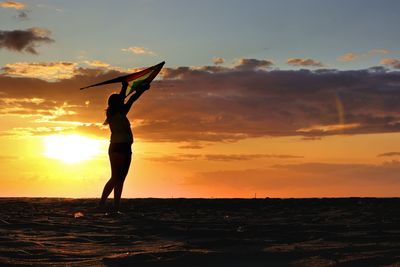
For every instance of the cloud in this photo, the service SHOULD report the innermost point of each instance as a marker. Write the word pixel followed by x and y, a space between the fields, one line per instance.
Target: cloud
pixel 233 104
pixel 304 62
pixel 26 106
pixel 379 51
pixel 174 158
pixel 13 101
pixel 38 108
pixel 138 50
pixel 197 105
pixel 240 157
pixel 24 40
pixel 12 4
pixel 218 60
pixel 191 146
pixel 389 154
pixel 306 179
pixel 391 62
pixel 219 157
pixel 251 64
pixel 96 64
pixel 53 71
pixel 23 15
pixel 47 71
pixel 102 66
pixel 338 128
pixel 355 56
pixel 87 129
pixel 348 57
pixel 58 102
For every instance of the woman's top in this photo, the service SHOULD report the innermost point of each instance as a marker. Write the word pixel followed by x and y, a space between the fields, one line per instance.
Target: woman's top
pixel 120 128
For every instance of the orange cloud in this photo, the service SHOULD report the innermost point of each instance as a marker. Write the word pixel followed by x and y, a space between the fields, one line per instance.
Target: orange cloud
pixel 218 60
pixel 54 71
pixel 235 157
pixel 50 71
pixel 219 157
pixel 86 129
pixel 138 50
pixel 378 51
pixel 174 158
pixel 14 101
pixel 12 4
pixel 191 146
pixel 391 62
pixel 389 154
pixel 348 57
pixel 329 128
pixel 353 56
pixel 304 62
pixel 96 64
pixel 41 109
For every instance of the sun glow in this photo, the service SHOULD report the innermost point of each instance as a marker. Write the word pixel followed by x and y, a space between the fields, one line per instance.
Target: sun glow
pixel 71 148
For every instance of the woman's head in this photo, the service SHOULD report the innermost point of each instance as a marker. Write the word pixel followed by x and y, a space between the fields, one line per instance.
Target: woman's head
pixel 115 101
pixel 115 104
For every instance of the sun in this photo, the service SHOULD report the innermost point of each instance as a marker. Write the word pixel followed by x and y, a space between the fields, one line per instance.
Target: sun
pixel 71 148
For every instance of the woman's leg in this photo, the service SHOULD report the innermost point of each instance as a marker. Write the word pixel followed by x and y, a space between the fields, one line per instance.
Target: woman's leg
pixel 120 183
pixel 117 164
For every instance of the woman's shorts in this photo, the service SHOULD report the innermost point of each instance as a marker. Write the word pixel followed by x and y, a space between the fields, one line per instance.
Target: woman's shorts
pixel 122 148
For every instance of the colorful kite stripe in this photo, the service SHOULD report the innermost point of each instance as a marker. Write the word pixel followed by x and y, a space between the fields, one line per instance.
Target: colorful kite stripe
pixel 135 83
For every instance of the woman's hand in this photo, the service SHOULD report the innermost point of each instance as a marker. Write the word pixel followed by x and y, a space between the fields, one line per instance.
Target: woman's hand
pixel 123 88
pixel 140 90
pixel 144 86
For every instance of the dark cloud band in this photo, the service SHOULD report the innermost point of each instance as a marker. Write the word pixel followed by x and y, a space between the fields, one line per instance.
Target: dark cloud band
pixel 228 104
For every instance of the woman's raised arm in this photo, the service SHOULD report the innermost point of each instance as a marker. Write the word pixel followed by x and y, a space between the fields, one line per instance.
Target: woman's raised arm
pixel 123 89
pixel 135 96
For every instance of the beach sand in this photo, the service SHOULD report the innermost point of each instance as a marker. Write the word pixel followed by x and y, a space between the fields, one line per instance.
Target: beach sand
pixel 201 232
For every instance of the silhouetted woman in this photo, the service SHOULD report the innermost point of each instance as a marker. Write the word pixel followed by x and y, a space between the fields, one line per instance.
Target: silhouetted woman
pixel 119 151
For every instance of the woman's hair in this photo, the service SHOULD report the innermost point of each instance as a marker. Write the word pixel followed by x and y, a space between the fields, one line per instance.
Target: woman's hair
pixel 115 104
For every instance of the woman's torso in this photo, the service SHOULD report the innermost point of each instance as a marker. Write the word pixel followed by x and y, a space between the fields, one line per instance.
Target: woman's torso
pixel 120 128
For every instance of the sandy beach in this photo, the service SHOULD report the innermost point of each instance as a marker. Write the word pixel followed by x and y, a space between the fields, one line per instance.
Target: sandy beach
pixel 201 232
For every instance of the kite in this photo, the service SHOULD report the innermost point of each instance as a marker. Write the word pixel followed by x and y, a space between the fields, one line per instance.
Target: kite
pixel 134 79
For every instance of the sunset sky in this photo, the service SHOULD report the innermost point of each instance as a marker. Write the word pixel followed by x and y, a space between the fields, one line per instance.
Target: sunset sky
pixel 275 98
